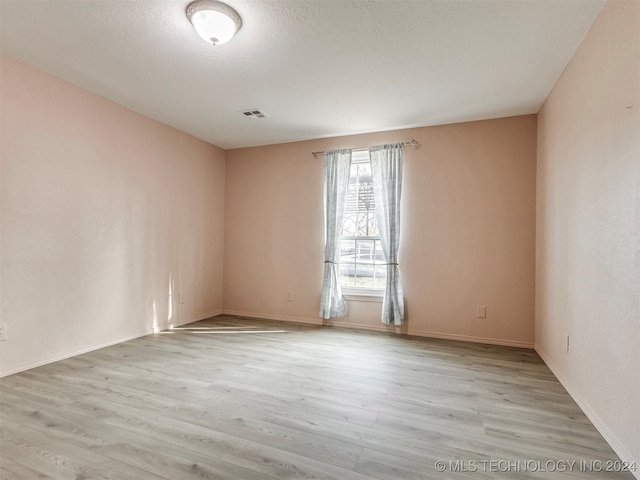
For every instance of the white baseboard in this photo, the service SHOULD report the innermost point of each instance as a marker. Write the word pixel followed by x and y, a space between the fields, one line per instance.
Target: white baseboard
pixel 72 354
pixel 104 345
pixel 269 316
pixel 198 317
pixel 473 339
pixel 382 328
pixel 604 430
pixel 195 318
pixel 363 326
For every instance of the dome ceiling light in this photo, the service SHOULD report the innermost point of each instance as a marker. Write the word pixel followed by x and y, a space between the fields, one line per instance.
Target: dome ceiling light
pixel 214 21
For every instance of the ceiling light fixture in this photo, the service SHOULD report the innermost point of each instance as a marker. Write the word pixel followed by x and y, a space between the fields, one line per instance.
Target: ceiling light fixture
pixel 214 21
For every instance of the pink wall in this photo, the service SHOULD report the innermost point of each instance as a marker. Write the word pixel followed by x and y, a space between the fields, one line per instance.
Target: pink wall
pixel 102 210
pixel 588 227
pixel 468 232
pixel 108 218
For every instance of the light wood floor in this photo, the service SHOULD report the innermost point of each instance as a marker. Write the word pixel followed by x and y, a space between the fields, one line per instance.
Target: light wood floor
pixel 247 399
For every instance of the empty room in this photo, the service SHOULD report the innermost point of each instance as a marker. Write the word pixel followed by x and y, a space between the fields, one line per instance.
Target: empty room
pixel 319 239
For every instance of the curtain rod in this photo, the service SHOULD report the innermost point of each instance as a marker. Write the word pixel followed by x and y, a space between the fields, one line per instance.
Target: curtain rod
pixel 412 143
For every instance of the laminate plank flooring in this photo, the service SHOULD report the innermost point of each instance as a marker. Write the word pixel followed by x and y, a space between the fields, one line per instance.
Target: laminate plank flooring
pixel 245 399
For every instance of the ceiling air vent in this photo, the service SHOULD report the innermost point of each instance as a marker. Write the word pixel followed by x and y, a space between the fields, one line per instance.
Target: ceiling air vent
pixel 254 113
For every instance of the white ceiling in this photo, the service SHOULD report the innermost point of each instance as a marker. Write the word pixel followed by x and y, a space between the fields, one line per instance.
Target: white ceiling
pixel 318 67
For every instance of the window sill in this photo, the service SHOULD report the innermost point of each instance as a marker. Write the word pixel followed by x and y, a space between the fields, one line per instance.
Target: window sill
pixel 366 296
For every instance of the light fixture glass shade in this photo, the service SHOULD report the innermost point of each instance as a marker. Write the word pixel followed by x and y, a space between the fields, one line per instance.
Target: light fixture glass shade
pixel 214 21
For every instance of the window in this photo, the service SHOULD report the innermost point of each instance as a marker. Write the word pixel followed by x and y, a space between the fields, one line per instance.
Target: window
pixel 362 264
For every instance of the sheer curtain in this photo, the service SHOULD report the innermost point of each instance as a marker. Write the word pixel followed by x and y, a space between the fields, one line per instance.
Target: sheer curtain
pixel 386 169
pixel 337 164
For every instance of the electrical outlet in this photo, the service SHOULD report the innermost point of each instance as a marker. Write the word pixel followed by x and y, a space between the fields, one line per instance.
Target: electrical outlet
pixel 3 332
pixel 567 343
pixel 481 311
pixel 289 297
pixel 180 298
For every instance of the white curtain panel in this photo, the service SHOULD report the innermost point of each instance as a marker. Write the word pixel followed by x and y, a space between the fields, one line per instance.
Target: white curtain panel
pixel 337 164
pixel 386 168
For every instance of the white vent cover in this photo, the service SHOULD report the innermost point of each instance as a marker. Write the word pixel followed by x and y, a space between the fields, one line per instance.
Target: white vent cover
pixel 254 113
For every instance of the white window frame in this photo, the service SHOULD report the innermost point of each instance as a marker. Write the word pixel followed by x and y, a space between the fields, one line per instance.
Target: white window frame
pixel 362 293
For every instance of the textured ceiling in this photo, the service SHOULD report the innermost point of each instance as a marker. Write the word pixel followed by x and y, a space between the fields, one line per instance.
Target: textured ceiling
pixel 318 68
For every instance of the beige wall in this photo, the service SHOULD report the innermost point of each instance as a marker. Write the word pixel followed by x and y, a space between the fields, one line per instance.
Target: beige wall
pixel 102 210
pixel 468 230
pixel 588 227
